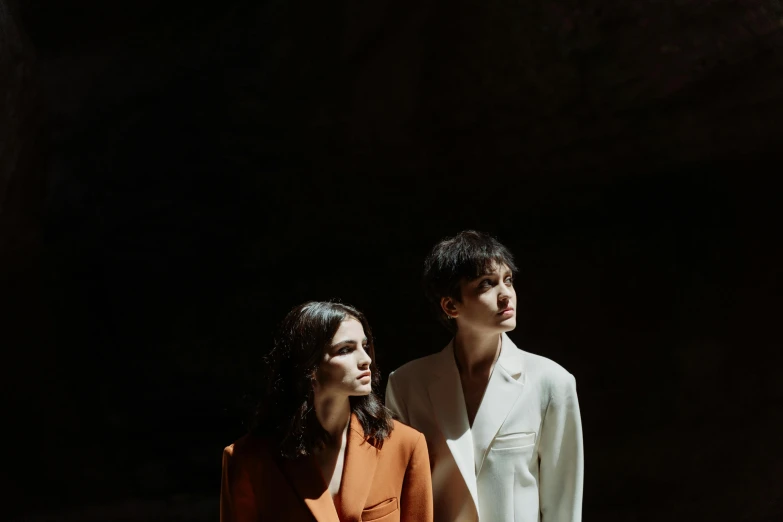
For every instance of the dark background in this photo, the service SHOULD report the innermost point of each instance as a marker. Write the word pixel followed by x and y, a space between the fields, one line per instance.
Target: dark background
pixel 174 178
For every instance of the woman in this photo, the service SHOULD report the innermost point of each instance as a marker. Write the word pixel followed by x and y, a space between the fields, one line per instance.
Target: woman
pixel 502 424
pixel 323 445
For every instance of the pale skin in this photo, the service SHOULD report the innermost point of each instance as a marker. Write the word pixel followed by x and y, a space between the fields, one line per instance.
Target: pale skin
pixel 343 372
pixel 487 308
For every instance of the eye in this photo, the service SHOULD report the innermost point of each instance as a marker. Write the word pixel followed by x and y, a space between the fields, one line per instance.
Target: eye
pixel 486 283
pixel 344 350
pixel 509 280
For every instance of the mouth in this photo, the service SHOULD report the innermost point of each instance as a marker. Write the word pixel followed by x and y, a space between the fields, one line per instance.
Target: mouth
pixel 506 312
pixel 366 374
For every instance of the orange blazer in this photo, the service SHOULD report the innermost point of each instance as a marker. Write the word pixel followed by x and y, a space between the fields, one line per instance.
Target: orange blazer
pixel 388 485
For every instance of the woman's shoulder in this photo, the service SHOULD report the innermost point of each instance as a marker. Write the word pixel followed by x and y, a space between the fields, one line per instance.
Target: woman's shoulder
pixel 404 436
pixel 248 447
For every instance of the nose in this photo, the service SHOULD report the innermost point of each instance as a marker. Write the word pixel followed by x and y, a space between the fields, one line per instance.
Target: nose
pixel 365 359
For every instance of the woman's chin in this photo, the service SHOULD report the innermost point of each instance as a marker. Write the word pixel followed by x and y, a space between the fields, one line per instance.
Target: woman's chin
pixel 362 390
pixel 508 324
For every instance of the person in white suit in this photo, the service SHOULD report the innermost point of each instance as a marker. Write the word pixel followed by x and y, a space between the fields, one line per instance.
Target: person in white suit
pixel 502 425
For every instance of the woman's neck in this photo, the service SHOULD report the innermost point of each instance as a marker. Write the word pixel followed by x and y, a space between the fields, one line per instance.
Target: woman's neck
pixel 475 353
pixel 333 413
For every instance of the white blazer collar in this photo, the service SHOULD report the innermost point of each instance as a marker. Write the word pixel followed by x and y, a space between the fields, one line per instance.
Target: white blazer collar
pixel 503 389
pixel 448 402
pixel 511 358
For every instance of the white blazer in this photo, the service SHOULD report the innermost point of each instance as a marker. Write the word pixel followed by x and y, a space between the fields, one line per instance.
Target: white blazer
pixel 521 461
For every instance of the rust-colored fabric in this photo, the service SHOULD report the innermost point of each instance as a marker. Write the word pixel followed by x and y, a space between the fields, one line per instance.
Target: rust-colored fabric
pixel 388 485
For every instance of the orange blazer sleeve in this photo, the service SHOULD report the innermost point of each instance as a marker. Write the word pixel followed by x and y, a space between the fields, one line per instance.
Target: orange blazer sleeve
pixel 416 498
pixel 237 501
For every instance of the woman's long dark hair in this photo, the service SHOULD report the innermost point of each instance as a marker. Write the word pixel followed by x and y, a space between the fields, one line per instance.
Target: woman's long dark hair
pixel 286 414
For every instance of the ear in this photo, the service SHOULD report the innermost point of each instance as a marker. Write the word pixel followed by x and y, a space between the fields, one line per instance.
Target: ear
pixel 449 307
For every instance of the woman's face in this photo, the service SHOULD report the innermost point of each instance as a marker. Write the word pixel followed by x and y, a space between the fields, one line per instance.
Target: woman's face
pixel 488 302
pixel 345 366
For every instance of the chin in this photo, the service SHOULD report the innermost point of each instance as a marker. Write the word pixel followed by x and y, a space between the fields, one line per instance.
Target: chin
pixel 508 324
pixel 362 391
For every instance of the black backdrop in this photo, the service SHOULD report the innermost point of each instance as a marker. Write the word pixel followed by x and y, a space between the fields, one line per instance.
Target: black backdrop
pixel 191 173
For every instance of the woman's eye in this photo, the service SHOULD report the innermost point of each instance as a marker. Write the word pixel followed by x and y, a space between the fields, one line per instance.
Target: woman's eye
pixel 509 280
pixel 486 282
pixel 343 351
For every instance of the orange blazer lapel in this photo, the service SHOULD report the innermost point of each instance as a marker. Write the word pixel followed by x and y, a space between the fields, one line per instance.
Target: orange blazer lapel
pixel 304 476
pixel 359 465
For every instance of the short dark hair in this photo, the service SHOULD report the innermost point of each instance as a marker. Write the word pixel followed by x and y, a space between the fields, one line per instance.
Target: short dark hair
pixel 467 255
pixel 287 414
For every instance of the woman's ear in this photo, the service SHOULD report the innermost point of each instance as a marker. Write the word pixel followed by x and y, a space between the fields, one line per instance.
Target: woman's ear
pixel 449 307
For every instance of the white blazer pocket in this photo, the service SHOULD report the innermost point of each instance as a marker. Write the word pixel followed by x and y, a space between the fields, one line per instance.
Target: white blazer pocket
pixel 513 441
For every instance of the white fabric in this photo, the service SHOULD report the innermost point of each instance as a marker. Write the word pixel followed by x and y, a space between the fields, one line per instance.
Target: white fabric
pixel 522 460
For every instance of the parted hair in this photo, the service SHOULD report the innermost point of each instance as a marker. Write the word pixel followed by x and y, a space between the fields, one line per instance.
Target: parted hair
pixel 286 413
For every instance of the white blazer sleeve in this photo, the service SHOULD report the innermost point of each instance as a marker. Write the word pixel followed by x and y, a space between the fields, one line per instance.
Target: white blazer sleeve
pixel 561 455
pixel 394 401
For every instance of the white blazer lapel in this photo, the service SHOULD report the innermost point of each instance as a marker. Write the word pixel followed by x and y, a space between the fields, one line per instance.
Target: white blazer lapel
pixel 448 403
pixel 503 389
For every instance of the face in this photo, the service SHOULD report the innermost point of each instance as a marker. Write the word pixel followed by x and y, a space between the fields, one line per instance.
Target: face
pixel 345 366
pixel 488 303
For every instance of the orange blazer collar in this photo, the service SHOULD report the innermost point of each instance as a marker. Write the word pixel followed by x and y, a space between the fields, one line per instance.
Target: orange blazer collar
pixel 359 465
pixel 305 478
pixel 361 458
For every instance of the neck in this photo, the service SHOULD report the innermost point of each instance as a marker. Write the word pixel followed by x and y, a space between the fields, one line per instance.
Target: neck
pixel 476 353
pixel 333 413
